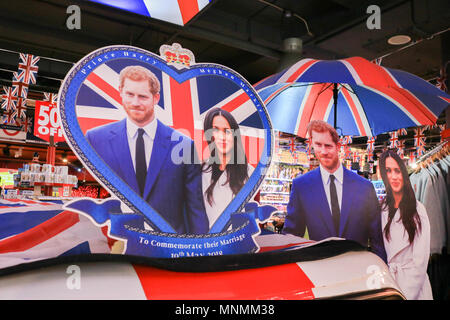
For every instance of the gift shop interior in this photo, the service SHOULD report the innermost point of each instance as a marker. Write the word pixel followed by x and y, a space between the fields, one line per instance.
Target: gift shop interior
pixel 260 39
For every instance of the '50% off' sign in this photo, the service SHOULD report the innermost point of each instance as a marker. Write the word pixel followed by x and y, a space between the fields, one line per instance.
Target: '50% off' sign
pixel 46 122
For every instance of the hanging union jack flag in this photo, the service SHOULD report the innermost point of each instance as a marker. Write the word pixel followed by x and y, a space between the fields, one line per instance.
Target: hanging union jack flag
pixel 21 108
pixel 52 97
pixel 401 148
pixel 393 140
pixel 441 81
pixel 28 68
pixel 21 88
pixel 370 144
pixel 181 106
pixel 9 98
pixel 419 137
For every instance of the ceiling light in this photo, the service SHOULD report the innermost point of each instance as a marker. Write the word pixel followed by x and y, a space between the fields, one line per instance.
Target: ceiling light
pixel 399 39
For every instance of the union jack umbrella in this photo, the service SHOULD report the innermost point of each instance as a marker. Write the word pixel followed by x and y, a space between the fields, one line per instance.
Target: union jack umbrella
pixel 28 68
pixel 356 96
pixel 9 98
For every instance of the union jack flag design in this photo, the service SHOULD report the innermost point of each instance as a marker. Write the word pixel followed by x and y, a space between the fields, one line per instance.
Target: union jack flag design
pixel 21 109
pixel 21 88
pixel 401 149
pixel 52 97
pixel 28 68
pixel 419 137
pixel 9 98
pixel 370 144
pixel 393 140
pixel 34 230
pixel 181 106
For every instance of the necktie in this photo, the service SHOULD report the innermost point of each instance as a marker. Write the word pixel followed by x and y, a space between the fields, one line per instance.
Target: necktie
pixel 335 211
pixel 141 165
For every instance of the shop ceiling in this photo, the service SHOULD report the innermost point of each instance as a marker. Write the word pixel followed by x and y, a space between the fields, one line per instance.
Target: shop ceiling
pixel 246 35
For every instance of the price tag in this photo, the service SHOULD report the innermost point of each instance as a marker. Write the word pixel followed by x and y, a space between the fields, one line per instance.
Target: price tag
pixel 46 121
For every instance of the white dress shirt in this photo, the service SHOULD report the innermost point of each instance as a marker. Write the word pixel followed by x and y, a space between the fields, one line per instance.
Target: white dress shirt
pixel 149 137
pixel 338 182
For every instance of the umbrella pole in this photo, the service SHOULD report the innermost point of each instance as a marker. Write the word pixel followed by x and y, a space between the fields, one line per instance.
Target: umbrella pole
pixel 335 97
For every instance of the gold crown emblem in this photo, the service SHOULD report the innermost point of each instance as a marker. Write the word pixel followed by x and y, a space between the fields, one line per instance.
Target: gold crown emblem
pixel 177 56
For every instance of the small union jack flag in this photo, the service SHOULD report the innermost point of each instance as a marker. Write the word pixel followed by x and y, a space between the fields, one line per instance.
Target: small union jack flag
pixel 28 68
pixel 21 108
pixel 52 97
pixel 292 144
pixel 393 141
pixel 26 124
pixel 420 150
pixel 9 98
pixel 402 132
pixel 370 144
pixel 377 61
pixel 21 88
pixel 401 149
pixel 370 157
pixel 355 157
pixel 441 81
pixel 419 137
pixel 8 117
pixel 412 157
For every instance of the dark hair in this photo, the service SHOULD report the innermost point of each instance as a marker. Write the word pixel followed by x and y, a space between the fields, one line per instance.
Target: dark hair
pixel 408 207
pixel 236 169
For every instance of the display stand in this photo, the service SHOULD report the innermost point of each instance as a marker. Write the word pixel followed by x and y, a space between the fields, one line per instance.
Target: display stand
pixel 290 160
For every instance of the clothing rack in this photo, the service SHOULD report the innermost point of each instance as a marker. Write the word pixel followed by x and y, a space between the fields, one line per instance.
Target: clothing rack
pixel 432 151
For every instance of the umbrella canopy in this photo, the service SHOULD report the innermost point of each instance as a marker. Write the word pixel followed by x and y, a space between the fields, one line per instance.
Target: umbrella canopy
pixel 370 99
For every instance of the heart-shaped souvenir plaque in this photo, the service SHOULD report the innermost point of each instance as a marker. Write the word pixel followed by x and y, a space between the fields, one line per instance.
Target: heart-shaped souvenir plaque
pixel 181 146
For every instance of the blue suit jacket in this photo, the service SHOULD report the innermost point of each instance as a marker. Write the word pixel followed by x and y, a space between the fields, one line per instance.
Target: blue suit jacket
pixel 172 189
pixel 360 218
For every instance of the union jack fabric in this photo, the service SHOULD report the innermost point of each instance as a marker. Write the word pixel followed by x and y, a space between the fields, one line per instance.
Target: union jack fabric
pixel 370 158
pixel 9 98
pixel 28 68
pixel 8 117
pixel 372 99
pixel 181 106
pixel 36 230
